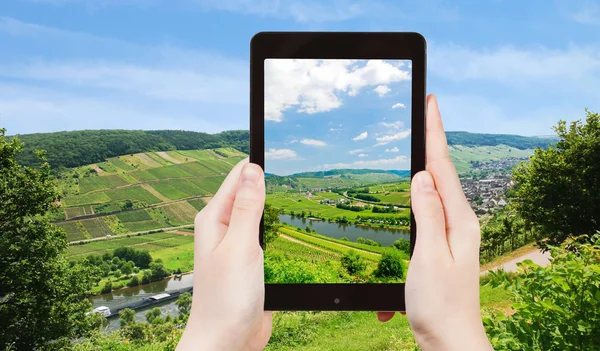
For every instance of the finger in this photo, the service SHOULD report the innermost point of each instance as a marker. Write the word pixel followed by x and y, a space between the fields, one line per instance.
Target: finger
pixel 247 208
pixel 440 165
pixel 210 225
pixel 385 316
pixel 458 213
pixel 429 216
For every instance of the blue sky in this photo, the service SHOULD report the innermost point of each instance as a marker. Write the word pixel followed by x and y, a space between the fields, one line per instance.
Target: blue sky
pixel 331 114
pixel 497 66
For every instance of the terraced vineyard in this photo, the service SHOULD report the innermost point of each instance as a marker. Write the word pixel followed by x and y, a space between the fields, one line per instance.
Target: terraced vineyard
pixel 141 192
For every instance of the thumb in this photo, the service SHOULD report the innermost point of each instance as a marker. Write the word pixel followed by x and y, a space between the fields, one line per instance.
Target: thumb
pixel 247 207
pixel 429 215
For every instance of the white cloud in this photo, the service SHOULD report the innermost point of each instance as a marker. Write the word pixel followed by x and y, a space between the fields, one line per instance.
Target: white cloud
pixel 399 162
pixel 352 152
pixel 361 136
pixel 334 129
pixel 313 142
pixel 381 90
pixel 398 105
pixel 395 125
pixel 280 154
pixel 394 149
pixel 393 137
pixel 313 86
pixel 363 155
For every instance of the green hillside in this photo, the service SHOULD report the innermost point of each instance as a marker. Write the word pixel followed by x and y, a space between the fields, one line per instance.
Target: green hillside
pixel 140 192
pixel 83 147
pixel 513 141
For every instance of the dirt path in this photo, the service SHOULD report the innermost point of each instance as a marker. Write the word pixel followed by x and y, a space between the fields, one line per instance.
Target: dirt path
pixel 539 258
pixel 97 169
pixel 181 232
pixel 168 157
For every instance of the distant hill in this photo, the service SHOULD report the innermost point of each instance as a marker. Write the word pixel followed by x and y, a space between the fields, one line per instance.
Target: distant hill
pixel 515 141
pixel 83 147
pixel 334 172
pixel 78 148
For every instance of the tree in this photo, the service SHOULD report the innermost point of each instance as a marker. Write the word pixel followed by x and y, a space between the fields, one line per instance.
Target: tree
pixel 42 295
pixel 184 303
pixel 271 224
pixel 353 263
pixel 158 270
pixel 558 191
pixel 153 314
pixel 402 245
pixel 126 316
pixel 391 264
pixel 127 268
pixel 557 307
pixel 135 281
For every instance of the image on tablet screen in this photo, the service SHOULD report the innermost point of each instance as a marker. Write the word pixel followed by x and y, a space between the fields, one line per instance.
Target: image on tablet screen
pixel 337 170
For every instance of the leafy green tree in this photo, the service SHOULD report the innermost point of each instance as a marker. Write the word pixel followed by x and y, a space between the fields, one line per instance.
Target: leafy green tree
pixel 126 317
pixel 158 270
pixel 135 281
pixel 558 191
pixel 353 263
pixel 42 295
pixel 127 268
pixel 556 307
pixel 391 264
pixel 271 223
pixel 153 314
pixel 184 303
pixel 402 245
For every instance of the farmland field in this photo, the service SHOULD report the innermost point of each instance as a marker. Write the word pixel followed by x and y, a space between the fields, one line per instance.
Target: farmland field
pixel 141 192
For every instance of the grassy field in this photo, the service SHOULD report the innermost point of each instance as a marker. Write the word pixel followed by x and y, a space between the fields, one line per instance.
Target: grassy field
pixel 298 202
pixel 463 155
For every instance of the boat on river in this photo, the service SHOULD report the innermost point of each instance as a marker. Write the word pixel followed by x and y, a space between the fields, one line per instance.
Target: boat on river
pixel 147 302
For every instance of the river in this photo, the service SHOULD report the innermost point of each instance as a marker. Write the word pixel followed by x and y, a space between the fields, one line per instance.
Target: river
pixel 385 236
pixel 335 230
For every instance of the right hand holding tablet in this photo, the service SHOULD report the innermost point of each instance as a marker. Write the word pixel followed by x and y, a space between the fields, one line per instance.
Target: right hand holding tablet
pixel 442 286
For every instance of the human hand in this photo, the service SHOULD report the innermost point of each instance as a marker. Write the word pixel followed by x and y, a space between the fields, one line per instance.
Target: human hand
pixel 442 285
pixel 228 300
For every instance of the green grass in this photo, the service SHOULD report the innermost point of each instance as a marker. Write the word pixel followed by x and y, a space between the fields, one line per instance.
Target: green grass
pixel 296 250
pixel 97 227
pixel 108 207
pixel 211 185
pixel 206 167
pixel 394 198
pixel 75 211
pixel 174 171
pixel 327 244
pixel 298 202
pixel 179 257
pixel 118 163
pixel 370 248
pixel 158 159
pixel 87 199
pixel 141 226
pixel 88 184
pixel 198 204
pixel 134 216
pixel 134 193
pixel 180 213
pixel 75 231
pixel 197 154
pixel 169 190
pixel 110 244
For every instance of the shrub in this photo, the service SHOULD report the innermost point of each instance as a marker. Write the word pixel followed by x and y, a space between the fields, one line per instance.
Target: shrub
pixel 107 287
pixel 135 281
pixel 402 245
pixel 353 263
pixel 391 264
pixel 556 307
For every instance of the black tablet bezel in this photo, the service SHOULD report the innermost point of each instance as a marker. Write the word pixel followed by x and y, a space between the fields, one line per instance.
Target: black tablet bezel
pixel 338 45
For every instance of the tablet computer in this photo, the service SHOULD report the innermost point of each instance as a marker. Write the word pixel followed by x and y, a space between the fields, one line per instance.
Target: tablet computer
pixel 338 126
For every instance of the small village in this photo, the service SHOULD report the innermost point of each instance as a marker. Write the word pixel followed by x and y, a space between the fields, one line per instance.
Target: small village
pixel 488 193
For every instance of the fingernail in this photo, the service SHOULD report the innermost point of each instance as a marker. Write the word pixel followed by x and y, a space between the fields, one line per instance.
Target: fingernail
pixel 250 175
pixel 425 182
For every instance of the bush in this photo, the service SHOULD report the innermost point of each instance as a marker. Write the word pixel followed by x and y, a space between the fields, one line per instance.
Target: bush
pixel 107 287
pixel 135 281
pixel 402 245
pixel 556 307
pixel 353 263
pixel 391 264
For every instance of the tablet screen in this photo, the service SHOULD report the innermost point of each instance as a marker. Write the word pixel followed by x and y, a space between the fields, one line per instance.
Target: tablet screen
pixel 337 170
